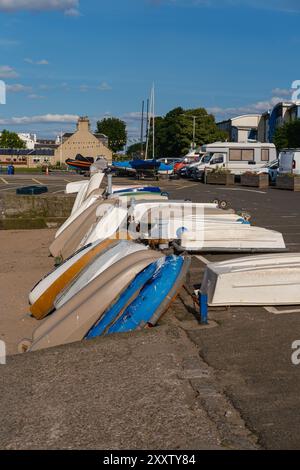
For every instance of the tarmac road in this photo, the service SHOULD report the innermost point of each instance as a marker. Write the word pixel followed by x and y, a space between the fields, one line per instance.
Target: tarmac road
pixel 251 348
pixel 56 182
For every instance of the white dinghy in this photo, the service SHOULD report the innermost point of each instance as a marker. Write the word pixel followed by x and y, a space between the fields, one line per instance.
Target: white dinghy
pixel 234 238
pixel 85 190
pixel 75 186
pixel 110 219
pixel 98 265
pixel 85 205
pixel 255 280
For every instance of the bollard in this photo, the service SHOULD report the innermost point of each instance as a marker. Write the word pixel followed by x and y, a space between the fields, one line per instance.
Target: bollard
pixel 203 308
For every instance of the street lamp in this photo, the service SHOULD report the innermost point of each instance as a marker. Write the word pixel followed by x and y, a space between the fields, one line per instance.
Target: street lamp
pixel 194 125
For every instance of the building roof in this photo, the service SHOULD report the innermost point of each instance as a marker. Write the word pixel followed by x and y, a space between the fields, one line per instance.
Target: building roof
pixel 26 152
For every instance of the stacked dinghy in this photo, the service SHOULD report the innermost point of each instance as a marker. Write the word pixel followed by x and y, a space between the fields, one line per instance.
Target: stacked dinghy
pixel 255 280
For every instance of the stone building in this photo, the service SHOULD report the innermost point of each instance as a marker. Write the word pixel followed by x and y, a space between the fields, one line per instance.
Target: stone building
pixel 82 142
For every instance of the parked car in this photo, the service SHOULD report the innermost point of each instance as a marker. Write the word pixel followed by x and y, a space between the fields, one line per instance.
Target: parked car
pixel 184 162
pixel 289 161
pixel 271 169
pixel 191 169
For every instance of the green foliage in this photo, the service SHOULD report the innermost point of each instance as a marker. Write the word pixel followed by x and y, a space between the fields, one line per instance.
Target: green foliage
pixel 11 140
pixel 174 132
pixel 220 170
pixel 115 129
pixel 117 157
pixel 135 149
pixel 288 135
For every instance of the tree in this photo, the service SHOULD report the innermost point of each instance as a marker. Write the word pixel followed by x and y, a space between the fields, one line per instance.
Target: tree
pixel 175 131
pixel 135 149
pixel 288 135
pixel 11 140
pixel 115 130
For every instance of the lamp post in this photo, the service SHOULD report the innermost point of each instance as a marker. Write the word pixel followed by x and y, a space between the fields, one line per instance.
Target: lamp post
pixel 194 126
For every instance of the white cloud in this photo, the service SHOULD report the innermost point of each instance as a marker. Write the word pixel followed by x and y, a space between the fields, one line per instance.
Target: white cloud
pixel 84 88
pixel 69 7
pixel 254 108
pixel 8 42
pixel 284 92
pixel 104 86
pixel 36 62
pixel 34 96
pixel 17 88
pixel 43 119
pixel 292 6
pixel 7 72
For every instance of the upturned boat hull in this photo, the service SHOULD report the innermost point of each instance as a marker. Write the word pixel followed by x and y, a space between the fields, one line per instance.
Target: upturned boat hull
pixel 255 280
pixel 101 261
pixel 44 294
pixel 72 322
pixel 146 299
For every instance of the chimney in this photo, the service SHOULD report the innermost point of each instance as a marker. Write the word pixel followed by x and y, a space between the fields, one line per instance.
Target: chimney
pixel 83 124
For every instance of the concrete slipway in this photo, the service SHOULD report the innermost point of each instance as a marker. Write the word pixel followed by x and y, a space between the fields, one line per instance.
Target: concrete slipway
pixel 147 390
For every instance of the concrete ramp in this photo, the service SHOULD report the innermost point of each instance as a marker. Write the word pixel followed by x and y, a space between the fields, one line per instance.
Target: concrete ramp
pixel 119 392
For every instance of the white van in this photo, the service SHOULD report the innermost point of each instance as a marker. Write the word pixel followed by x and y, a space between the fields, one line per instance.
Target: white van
pixel 289 161
pixel 238 157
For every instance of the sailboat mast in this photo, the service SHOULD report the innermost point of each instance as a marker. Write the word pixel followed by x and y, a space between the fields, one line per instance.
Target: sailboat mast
pixel 142 131
pixel 153 121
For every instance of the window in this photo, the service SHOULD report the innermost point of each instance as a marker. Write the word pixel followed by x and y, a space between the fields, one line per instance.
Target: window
pixel 245 155
pixel 235 155
pixel 248 155
pixel 265 155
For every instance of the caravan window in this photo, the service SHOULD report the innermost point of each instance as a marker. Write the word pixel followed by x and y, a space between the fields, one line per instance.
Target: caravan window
pixel 265 155
pixel 245 155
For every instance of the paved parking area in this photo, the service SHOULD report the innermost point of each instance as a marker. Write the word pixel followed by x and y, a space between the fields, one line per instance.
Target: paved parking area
pixel 56 183
pixel 250 348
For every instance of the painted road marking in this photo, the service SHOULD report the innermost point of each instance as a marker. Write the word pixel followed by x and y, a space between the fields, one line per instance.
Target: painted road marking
pixel 275 311
pixel 36 181
pixel 4 181
pixel 68 181
pixel 8 189
pixel 189 186
pixel 57 192
pixel 242 189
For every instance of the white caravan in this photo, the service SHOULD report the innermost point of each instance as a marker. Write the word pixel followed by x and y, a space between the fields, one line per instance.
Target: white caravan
pixel 238 157
pixel 289 161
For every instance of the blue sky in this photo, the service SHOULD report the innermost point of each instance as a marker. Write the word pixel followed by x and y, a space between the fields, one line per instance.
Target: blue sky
pixel 64 58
